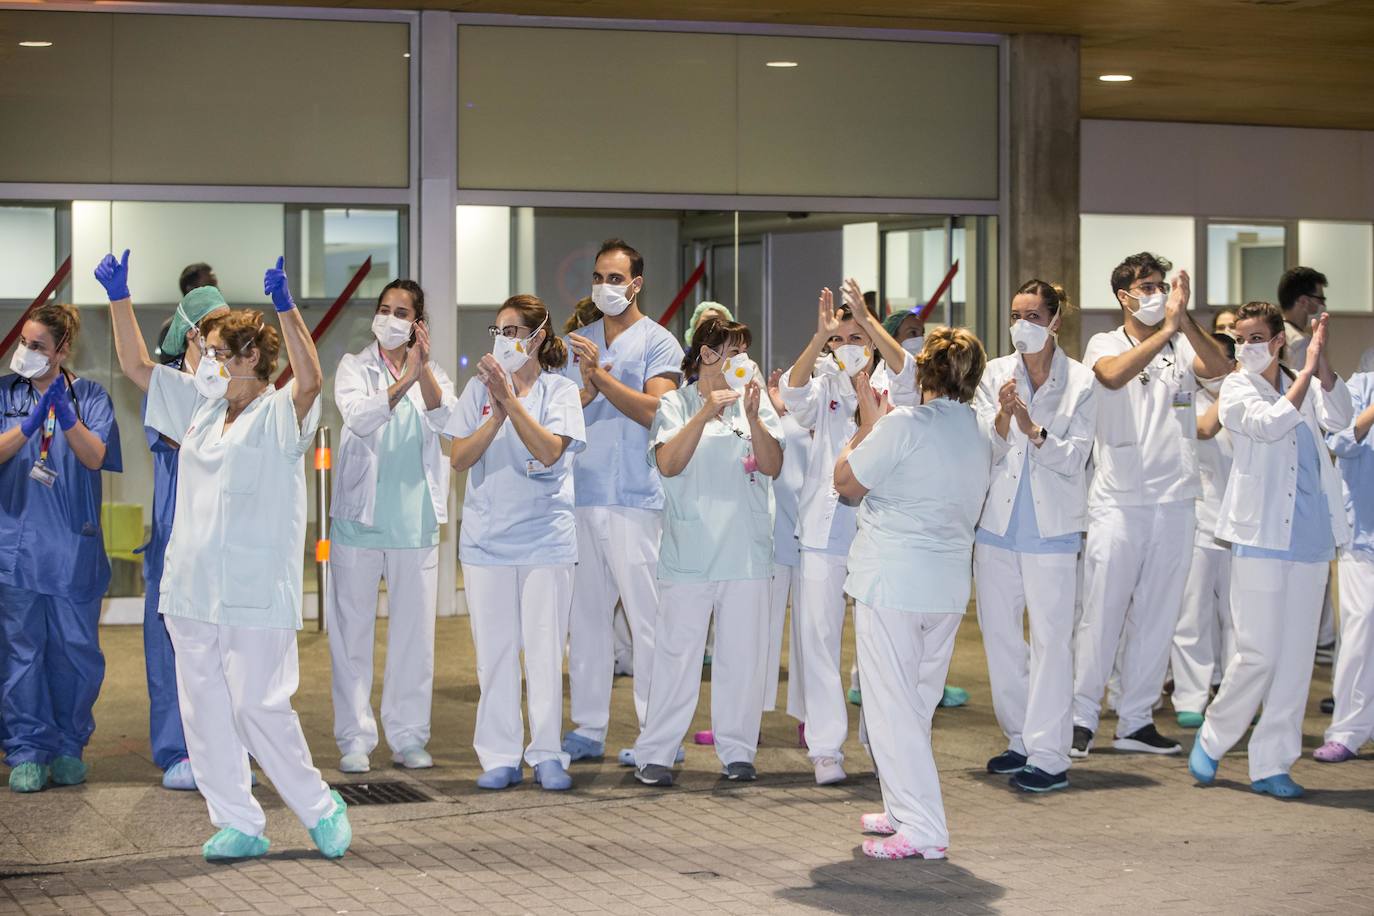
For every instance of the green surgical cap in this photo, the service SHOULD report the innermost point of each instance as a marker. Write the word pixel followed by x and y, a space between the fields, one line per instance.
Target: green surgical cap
pixel 894 321
pixel 700 310
pixel 193 308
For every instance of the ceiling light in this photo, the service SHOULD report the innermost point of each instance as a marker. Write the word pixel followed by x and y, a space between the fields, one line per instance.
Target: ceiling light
pixel 1116 78
pixel 35 44
pixel 407 54
pixel 782 63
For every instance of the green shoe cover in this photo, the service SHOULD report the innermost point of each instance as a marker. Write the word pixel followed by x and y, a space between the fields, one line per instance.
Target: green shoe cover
pixel 954 696
pixel 333 834
pixel 29 777
pixel 68 771
pixel 230 845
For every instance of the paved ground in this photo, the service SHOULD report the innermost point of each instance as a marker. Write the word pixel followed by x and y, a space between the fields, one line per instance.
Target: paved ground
pixel 1133 835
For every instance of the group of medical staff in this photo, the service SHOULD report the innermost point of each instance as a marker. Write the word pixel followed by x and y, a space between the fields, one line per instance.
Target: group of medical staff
pixel 610 470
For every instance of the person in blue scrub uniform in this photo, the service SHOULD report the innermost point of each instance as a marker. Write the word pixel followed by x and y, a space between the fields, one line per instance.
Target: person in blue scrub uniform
pixel 57 433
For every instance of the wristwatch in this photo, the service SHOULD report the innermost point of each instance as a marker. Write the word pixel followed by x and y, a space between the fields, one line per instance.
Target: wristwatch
pixel 1041 434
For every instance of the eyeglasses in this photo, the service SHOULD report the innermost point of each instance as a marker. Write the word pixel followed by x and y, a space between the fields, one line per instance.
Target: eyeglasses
pixel 1321 299
pixel 510 331
pixel 218 354
pixel 1150 289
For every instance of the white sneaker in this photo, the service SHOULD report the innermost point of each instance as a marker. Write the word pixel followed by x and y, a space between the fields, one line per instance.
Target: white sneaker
pixel 829 772
pixel 413 758
pixel 354 763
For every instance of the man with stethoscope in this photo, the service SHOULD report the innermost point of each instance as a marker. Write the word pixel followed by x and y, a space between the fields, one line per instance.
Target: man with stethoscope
pixel 1141 517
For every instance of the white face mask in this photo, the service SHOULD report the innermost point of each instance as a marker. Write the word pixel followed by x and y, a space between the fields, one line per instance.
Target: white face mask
pixel 826 365
pixel 211 379
pixel 739 371
pixel 1150 309
pixel 513 352
pixel 914 345
pixel 1254 357
pixel 390 331
pixel 28 363
pixel 852 358
pixel 610 299
pixel 1029 337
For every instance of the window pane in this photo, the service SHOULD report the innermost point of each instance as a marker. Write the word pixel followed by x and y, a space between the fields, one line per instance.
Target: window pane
pixel 336 241
pixel 28 250
pixel 1106 241
pixel 1343 252
pixel 1244 263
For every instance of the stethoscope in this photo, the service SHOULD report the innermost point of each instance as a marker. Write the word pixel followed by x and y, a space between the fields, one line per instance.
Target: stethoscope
pixel 12 413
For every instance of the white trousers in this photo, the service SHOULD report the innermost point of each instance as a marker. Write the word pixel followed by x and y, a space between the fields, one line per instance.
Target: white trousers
pixel 1326 632
pixel 903 660
pixel 412 579
pixel 784 583
pixel 737 670
pixel 1352 682
pixel 617 558
pixel 1133 591
pixel 819 613
pixel 624 645
pixel 1032 685
pixel 1276 607
pixel 234 685
pixel 514 609
pixel 1204 639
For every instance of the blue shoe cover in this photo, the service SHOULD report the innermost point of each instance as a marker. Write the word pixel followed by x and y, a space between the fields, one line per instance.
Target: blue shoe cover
pixel 68 771
pixel 551 776
pixel 1280 786
pixel 626 757
pixel 499 778
pixel 333 834
pixel 954 696
pixel 29 777
pixel 179 777
pixel 580 747
pixel 230 845
pixel 1203 768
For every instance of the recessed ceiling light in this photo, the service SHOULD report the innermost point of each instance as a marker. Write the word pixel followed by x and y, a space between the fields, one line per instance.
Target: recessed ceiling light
pixel 407 54
pixel 35 44
pixel 1116 78
pixel 782 63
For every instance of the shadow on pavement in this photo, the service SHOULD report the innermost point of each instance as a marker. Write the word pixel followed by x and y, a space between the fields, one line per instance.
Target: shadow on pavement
pixel 864 885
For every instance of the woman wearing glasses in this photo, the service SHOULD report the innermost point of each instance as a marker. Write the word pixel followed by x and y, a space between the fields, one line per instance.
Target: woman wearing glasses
pixel 515 429
pixel 231 596
pixel 57 434
pixel 390 497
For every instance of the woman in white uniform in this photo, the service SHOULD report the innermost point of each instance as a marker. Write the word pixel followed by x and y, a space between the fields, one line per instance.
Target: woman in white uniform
pixel 515 431
pixel 1204 640
pixel 231 595
pixel 1040 406
pixel 1284 515
pixel 717 445
pixel 390 497
pixel 909 575
pixel 825 404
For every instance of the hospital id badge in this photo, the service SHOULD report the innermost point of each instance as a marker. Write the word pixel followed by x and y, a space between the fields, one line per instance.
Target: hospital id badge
pixel 43 474
pixel 535 468
pixel 1183 399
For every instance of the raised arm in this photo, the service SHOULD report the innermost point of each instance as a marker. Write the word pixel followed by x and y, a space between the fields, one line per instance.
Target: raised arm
pixel 134 361
pixel 827 323
pixel 300 348
pixel 885 343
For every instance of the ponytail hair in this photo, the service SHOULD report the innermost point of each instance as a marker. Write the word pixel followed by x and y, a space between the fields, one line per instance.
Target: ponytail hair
pixel 553 353
pixel 62 320
pixel 1052 294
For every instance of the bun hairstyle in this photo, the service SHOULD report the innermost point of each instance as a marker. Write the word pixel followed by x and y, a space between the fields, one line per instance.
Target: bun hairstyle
pixel 715 334
pixel 1052 294
pixel 62 320
pixel 584 313
pixel 553 353
pixel 242 330
pixel 952 363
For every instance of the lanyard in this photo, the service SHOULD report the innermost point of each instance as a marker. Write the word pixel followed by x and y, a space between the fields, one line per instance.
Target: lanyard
pixel 49 426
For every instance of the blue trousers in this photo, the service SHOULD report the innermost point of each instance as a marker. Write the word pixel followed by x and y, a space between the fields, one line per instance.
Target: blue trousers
pixel 53 669
pixel 164 714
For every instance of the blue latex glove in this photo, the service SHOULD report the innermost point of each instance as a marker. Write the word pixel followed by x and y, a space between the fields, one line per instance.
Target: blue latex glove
pixel 34 421
pixel 274 284
pixel 62 403
pixel 114 276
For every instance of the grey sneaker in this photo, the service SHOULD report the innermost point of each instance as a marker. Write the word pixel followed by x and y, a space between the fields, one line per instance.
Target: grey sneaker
pixel 739 771
pixel 651 774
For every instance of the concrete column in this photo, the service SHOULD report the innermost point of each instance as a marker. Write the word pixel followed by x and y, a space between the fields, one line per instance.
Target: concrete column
pixel 1042 237
pixel 438 242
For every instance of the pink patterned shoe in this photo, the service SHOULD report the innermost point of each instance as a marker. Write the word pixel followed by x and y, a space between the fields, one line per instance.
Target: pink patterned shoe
pixel 877 823
pixel 899 847
pixel 801 734
pixel 706 737
pixel 1333 752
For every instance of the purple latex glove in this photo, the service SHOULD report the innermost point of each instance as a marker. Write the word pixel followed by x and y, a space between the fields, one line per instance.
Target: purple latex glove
pixel 274 284
pixel 62 403
pixel 34 421
pixel 114 276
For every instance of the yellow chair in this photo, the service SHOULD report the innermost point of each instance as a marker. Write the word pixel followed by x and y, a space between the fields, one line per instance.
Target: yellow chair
pixel 122 525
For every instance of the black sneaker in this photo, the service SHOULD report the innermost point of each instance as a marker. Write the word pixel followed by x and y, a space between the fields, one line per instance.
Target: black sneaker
pixel 1007 762
pixel 1082 741
pixel 651 774
pixel 739 771
pixel 1328 705
pixel 1034 779
pixel 1148 741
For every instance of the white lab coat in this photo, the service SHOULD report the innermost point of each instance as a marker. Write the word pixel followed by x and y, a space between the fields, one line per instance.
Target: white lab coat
pixel 1066 407
pixel 360 390
pixel 1257 507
